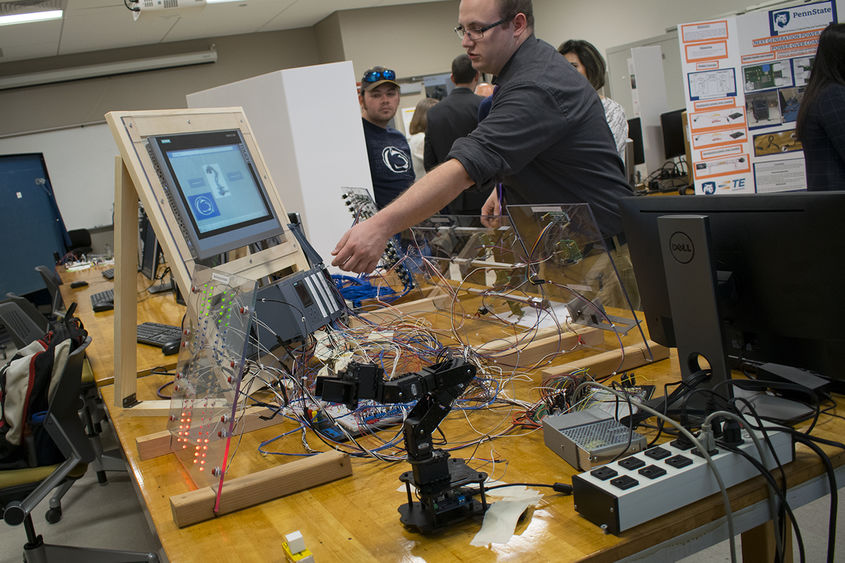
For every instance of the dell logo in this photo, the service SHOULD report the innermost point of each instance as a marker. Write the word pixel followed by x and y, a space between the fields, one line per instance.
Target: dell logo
pixel 681 247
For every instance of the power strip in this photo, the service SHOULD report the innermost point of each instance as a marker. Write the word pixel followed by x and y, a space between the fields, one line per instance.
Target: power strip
pixel 641 487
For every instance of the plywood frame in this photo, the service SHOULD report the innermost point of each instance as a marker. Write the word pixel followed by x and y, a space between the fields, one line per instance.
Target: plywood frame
pixel 136 179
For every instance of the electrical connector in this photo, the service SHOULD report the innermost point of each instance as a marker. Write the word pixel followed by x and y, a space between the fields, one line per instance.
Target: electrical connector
pixel 732 433
pixel 707 439
pixel 562 488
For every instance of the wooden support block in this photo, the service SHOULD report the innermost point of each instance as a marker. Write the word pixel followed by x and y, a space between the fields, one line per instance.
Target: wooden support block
pixel 605 363
pixel 425 305
pixel 255 488
pixel 158 444
pixel 153 445
pixel 149 408
pixel 758 544
pixel 510 351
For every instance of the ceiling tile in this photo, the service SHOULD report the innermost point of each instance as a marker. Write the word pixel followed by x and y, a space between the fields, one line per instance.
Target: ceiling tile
pixel 92 25
pixel 109 28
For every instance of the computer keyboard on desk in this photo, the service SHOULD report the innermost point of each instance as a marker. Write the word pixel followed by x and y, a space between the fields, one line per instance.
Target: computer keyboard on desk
pixel 157 334
pixel 103 300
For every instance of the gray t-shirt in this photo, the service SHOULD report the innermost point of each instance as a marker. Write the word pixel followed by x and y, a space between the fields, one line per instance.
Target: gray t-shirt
pixel 546 138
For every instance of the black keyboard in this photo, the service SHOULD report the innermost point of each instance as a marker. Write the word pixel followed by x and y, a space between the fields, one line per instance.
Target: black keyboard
pixel 103 301
pixel 157 334
pixel 108 274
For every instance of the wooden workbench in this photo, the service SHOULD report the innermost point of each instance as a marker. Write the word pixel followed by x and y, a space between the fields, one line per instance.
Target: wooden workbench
pixel 356 518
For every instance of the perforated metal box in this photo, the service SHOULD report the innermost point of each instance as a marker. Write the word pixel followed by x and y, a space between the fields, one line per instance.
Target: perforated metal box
pixel 588 438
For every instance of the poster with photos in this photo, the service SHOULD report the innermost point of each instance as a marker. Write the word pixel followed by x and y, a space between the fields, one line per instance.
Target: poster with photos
pixel 744 79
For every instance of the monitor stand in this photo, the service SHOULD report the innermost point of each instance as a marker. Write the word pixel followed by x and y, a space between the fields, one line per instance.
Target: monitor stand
pixel 691 283
pixel 163 286
pixel 771 407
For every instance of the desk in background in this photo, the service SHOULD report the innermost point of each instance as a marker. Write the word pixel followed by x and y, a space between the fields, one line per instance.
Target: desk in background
pixel 161 308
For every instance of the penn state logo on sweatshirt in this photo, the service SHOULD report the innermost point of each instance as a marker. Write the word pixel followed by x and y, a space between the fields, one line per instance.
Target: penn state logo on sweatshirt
pixel 395 159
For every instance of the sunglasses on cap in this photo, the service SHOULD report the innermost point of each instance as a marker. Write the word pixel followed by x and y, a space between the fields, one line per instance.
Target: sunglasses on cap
pixel 376 75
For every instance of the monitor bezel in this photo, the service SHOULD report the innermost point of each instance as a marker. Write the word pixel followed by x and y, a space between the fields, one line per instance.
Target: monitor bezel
pixel 675 119
pixel 224 239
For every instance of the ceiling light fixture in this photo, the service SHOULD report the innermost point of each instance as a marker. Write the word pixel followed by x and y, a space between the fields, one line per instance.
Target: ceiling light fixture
pixel 31 17
pixel 107 69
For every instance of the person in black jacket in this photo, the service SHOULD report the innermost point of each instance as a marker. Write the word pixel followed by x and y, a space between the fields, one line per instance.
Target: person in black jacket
pixel 455 117
pixel 821 117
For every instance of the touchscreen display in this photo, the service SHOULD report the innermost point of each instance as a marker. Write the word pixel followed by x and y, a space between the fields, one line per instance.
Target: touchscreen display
pixel 216 183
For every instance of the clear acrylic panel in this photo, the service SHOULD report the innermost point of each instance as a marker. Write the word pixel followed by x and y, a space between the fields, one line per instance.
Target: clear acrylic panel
pixel 205 398
pixel 540 272
pixel 575 269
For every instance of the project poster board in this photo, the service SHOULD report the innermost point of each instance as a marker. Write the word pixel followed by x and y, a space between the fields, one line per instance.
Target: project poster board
pixel 744 77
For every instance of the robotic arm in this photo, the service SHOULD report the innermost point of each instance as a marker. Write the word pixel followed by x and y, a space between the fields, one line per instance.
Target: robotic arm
pixel 440 481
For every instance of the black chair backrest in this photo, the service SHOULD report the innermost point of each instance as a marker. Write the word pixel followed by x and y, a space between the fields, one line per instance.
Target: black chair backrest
pixel 20 326
pixel 80 241
pixel 63 422
pixel 52 281
pixel 30 309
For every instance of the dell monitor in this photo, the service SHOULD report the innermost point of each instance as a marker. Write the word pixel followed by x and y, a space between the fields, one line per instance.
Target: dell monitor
pixel 673 133
pixel 214 190
pixel 635 133
pixel 780 262
pixel 149 249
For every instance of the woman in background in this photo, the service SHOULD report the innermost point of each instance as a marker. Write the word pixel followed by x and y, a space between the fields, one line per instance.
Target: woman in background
pixel 588 61
pixel 416 129
pixel 821 118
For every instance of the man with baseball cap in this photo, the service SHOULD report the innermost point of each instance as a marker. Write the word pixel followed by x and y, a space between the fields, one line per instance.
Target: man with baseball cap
pixel 387 149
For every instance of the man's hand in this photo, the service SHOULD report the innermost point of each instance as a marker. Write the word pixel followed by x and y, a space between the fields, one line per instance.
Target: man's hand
pixel 491 210
pixel 360 248
pixel 362 245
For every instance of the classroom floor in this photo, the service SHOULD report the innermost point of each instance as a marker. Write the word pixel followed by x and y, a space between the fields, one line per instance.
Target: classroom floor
pixel 110 516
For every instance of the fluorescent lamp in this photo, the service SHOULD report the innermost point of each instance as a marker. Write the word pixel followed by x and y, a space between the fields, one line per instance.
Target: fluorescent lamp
pixel 31 17
pixel 107 69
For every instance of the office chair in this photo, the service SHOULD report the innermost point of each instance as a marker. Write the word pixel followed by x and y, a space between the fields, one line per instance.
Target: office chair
pixel 65 428
pixel 52 281
pixel 80 242
pixel 20 326
pixel 30 309
pixel 25 330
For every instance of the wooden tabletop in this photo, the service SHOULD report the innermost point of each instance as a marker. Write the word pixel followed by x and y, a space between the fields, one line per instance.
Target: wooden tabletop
pixel 161 307
pixel 356 518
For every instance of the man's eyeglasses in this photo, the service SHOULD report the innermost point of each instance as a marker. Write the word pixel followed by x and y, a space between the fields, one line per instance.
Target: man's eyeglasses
pixel 476 33
pixel 376 75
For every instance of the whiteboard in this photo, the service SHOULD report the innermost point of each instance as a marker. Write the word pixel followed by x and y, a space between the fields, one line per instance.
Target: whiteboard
pixel 80 161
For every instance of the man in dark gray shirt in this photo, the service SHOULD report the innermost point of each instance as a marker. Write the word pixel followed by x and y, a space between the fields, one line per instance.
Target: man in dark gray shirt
pixel 546 137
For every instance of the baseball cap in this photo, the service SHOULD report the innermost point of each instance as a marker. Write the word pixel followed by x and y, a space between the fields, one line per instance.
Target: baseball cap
pixel 377 76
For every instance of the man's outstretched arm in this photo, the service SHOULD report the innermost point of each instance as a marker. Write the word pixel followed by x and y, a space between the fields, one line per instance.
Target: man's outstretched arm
pixel 361 246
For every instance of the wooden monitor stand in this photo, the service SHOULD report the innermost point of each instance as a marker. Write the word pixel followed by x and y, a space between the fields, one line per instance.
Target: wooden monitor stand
pixel 136 179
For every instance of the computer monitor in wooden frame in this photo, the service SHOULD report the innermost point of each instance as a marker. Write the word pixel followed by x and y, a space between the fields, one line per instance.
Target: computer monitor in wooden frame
pixel 206 190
